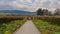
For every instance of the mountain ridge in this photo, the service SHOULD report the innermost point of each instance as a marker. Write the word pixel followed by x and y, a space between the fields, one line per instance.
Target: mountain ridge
pixel 17 12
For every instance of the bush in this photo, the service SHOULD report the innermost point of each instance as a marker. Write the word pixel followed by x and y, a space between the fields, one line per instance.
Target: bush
pixel 51 20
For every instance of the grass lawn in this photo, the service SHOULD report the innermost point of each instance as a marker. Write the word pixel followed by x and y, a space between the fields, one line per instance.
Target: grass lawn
pixel 46 28
pixel 11 26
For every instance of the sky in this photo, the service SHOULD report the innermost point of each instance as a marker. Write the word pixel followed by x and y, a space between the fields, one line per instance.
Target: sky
pixel 29 5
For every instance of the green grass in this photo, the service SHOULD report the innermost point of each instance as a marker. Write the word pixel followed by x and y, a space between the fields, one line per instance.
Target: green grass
pixel 46 28
pixel 11 26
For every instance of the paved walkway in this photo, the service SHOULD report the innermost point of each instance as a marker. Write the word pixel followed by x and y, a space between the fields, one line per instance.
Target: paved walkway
pixel 28 28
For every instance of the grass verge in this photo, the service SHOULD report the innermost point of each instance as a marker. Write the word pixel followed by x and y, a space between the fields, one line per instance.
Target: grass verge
pixel 46 28
pixel 11 26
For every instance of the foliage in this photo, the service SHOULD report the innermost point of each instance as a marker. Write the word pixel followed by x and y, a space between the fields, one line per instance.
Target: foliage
pixel 43 12
pixel 8 32
pixel 10 26
pixel 51 19
pixel 39 12
pixel 46 28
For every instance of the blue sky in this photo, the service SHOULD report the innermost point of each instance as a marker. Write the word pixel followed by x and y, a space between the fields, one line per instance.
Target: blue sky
pixel 29 5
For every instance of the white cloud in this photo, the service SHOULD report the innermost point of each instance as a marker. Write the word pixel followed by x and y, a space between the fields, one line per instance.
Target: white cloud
pixel 30 5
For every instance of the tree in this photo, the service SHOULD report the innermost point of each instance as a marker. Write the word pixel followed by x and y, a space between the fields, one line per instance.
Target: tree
pixel 57 11
pixel 45 11
pixel 39 12
pixel 50 13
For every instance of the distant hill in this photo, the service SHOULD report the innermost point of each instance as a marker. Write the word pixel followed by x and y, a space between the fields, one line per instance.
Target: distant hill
pixel 6 12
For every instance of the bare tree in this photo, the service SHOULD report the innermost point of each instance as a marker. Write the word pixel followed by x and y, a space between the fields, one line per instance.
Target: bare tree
pixel 57 12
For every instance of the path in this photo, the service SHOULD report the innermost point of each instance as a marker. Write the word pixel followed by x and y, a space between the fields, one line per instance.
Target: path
pixel 28 28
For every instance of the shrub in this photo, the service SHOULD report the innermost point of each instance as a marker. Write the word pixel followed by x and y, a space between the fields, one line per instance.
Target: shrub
pixel 51 20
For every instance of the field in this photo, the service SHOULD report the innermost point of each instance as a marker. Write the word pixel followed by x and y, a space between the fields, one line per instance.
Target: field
pixel 48 25
pixel 8 26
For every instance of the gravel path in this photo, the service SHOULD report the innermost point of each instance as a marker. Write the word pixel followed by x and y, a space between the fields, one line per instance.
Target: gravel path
pixel 27 28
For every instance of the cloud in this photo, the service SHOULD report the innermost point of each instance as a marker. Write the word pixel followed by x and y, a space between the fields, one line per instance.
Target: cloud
pixel 29 5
